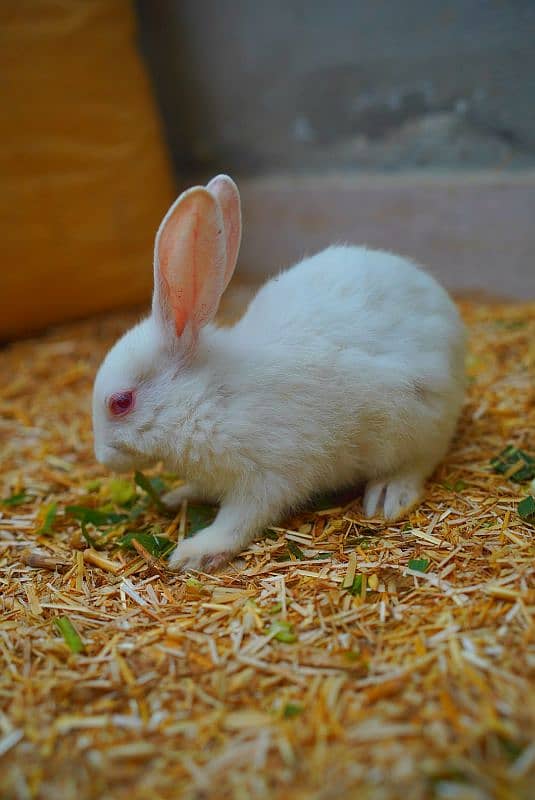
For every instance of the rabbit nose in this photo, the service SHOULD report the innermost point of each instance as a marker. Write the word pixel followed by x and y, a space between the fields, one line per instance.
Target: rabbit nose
pixel 101 453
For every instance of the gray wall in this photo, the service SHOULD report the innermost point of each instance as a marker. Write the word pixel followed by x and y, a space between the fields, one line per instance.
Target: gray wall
pixel 267 85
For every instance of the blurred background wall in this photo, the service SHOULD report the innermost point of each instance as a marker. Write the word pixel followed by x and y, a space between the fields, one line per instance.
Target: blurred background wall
pixel 362 84
pixel 404 125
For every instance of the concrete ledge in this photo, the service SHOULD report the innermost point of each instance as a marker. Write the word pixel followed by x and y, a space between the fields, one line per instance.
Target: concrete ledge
pixel 474 231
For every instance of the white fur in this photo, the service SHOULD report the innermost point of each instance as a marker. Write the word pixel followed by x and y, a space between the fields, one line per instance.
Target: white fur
pixel 347 368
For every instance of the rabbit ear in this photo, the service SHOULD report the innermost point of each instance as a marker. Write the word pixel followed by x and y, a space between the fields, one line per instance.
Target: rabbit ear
pixel 227 195
pixel 189 262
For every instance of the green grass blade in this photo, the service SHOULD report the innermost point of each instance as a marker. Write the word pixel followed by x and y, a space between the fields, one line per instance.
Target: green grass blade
pixel 70 634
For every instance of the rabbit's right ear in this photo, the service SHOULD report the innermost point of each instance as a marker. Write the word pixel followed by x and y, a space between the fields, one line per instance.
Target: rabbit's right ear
pixel 189 263
pixel 227 195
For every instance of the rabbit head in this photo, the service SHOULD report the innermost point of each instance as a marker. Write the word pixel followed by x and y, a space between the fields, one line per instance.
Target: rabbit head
pixel 146 373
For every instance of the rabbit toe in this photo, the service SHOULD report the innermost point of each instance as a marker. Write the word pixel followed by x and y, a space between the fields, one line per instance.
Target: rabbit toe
pixel 393 497
pixel 373 497
pixel 192 555
pixel 402 494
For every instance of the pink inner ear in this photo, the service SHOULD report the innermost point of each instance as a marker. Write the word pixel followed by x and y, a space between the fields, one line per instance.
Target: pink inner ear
pixel 226 192
pixel 189 261
pixel 180 295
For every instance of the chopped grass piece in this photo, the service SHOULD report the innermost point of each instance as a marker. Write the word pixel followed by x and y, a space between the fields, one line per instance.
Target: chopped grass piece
pixel 367 532
pixel 511 324
pixel 356 587
pixel 152 488
pixel 458 486
pixel 292 710
pixel 511 748
pixel 47 515
pixel 15 499
pixel 158 484
pixel 95 516
pixel 419 564
pixel 193 583
pixel 156 545
pixel 526 509
pixel 94 485
pixel 282 631
pixel 89 539
pixel 121 492
pixel 199 517
pixel 295 550
pixel 137 510
pixel 275 608
pixel 515 464
pixel 169 476
pixel 352 655
pixel 70 634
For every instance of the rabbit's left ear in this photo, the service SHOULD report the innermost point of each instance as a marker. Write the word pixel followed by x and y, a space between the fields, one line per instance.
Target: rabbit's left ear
pixel 227 195
pixel 189 263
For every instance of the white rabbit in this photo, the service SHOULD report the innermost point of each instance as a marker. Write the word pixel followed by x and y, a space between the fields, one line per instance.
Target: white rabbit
pixel 346 368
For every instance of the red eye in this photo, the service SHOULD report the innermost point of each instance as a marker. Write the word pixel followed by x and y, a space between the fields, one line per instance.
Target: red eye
pixel 121 403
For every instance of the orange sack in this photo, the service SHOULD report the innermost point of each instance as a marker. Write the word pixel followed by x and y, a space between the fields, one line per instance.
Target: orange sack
pixel 85 175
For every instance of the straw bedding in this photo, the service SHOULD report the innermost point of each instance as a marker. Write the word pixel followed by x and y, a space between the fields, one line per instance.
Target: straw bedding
pixel 336 657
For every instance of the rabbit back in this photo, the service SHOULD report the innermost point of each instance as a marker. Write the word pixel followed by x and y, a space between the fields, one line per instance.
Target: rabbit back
pixel 358 357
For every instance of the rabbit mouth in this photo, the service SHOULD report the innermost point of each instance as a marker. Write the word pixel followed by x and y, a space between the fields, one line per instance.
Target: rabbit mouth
pixel 124 449
pixel 121 457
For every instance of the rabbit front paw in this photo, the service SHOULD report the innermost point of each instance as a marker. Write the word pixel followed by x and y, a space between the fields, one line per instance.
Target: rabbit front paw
pixel 204 552
pixel 232 530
